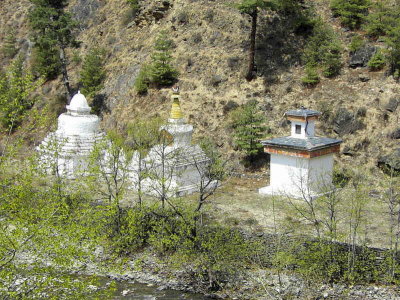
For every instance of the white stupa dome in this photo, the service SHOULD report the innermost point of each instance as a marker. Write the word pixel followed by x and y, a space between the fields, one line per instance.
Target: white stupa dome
pixel 78 104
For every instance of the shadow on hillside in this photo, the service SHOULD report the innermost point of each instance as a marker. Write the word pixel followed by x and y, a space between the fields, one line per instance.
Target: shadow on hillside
pixel 279 46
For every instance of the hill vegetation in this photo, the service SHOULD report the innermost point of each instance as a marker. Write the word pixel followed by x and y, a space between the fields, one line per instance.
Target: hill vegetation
pixel 240 66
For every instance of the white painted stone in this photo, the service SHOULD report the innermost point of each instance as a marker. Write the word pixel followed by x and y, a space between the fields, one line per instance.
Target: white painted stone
pixel 298 176
pixel 67 149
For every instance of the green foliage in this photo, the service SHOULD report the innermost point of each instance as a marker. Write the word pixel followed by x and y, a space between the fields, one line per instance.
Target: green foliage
pixel 323 49
pixel 356 43
pixel 160 71
pixel 142 81
pixel 16 86
pixel 93 74
pixel 377 61
pixel 53 30
pixel 311 78
pixel 352 13
pixel 382 17
pixel 248 6
pixel 248 125
pixel 9 49
pixel 393 42
pixel 44 232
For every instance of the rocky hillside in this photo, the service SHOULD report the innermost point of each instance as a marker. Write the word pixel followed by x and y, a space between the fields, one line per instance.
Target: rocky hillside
pixel 211 39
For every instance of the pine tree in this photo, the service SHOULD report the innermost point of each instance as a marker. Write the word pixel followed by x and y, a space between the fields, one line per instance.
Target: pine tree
pixel 93 73
pixel 251 8
pixel 16 85
pixel 352 13
pixel 53 32
pixel 161 72
pixel 248 125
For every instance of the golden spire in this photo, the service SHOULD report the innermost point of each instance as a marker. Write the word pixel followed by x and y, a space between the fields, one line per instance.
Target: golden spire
pixel 176 111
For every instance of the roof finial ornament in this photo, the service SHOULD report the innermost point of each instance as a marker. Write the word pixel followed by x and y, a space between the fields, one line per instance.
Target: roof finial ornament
pixel 175 89
pixel 176 111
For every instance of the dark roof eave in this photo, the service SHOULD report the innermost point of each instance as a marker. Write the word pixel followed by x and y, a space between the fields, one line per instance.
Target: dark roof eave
pixel 265 143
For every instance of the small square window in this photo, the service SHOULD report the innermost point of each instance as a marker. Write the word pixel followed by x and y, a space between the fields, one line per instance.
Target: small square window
pixel 298 129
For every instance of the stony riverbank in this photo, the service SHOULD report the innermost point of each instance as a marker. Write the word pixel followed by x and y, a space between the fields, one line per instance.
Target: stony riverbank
pixel 255 284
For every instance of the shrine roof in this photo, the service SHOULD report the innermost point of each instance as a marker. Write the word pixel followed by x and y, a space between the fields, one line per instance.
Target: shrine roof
pixel 303 112
pixel 308 144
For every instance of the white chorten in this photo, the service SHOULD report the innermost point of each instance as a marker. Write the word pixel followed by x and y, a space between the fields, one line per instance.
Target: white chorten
pixel 178 163
pixel 302 163
pixel 68 148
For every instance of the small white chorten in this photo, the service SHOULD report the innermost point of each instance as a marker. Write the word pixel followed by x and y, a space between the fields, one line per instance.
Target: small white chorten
pixel 69 147
pixel 302 163
pixel 180 162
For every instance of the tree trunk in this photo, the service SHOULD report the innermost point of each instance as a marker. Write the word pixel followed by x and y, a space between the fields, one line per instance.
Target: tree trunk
pixel 65 72
pixel 250 71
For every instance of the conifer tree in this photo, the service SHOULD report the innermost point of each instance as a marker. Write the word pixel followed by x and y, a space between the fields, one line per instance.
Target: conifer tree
pixel 53 32
pixel 93 73
pixel 352 13
pixel 161 72
pixel 248 125
pixel 16 85
pixel 251 8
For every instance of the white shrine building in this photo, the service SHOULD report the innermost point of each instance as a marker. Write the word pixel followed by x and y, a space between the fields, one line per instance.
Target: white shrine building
pixel 302 163
pixel 66 150
pixel 178 164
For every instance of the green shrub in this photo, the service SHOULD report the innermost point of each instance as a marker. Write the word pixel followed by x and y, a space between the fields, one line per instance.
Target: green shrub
pixel 311 78
pixel 93 74
pixel 323 49
pixel 357 42
pixel 142 81
pixel 377 61
pixel 352 13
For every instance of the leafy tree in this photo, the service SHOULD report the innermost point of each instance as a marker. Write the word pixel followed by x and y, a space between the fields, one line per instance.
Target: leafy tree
pixel 142 136
pixel 43 233
pixel 323 49
pixel 16 85
pixel 351 12
pixel 9 49
pixel 248 125
pixel 377 61
pixel 93 74
pixel 53 32
pixel 251 8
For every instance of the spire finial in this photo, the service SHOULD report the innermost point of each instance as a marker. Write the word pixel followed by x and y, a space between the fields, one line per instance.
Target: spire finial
pixel 176 111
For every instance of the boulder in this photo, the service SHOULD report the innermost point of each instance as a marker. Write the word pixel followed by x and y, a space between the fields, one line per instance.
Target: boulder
pixel 361 57
pixel 392 104
pixel 84 10
pixel 231 105
pixel 390 162
pixel 395 134
pixel 346 123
